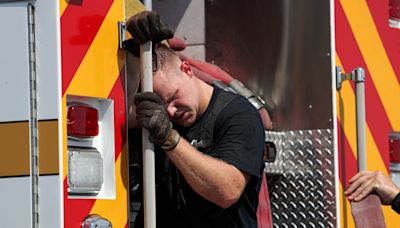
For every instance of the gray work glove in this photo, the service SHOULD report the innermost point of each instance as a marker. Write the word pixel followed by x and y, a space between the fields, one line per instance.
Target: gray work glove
pixel 145 26
pixel 152 115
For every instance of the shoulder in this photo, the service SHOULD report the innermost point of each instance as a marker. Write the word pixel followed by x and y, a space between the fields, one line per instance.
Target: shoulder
pixel 236 107
pixel 238 116
pixel 239 136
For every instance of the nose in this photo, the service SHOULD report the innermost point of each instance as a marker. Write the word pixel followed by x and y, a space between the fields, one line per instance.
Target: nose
pixel 171 110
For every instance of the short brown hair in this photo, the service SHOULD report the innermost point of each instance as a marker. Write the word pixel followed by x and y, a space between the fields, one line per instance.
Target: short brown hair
pixel 162 55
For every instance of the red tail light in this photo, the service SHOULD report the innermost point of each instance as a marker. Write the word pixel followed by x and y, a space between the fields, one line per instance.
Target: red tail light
pixel 394 10
pixel 394 148
pixel 82 121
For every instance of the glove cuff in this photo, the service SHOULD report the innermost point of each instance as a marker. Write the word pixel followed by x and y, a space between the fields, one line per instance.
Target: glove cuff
pixel 171 141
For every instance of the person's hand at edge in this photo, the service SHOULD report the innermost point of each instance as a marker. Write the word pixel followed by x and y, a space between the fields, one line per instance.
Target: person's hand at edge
pixel 366 182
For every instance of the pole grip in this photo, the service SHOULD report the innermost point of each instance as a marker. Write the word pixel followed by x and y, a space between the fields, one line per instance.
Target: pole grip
pixel 149 186
pixel 359 79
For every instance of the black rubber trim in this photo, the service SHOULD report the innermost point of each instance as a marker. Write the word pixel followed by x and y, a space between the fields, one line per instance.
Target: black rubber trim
pixel 396 204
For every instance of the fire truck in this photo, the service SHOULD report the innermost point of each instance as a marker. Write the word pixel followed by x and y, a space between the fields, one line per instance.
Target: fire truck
pixel 65 81
pixel 63 119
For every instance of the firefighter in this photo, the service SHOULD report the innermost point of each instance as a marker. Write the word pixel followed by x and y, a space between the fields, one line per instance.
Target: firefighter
pixel 366 182
pixel 209 167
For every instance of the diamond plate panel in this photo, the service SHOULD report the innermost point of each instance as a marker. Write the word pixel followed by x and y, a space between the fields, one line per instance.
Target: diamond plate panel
pixel 304 195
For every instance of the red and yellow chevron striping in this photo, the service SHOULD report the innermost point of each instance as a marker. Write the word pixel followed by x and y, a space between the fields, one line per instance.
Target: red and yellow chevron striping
pixel 79 26
pixel 93 66
pixel 364 39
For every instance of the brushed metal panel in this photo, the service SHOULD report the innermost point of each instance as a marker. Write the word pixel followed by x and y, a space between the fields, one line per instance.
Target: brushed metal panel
pixel 185 17
pixel 281 50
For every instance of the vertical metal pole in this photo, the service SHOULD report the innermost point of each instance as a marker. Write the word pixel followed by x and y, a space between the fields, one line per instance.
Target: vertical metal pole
pixel 371 204
pixel 149 193
pixel 33 121
pixel 359 79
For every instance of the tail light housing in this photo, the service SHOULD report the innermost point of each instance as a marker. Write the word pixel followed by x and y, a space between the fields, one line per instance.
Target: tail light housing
pixel 85 169
pixel 394 153
pixel 82 121
pixel 90 147
pixel 394 147
pixel 394 9
pixel 394 13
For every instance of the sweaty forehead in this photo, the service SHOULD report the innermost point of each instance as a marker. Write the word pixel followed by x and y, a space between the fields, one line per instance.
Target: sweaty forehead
pixel 159 80
pixel 162 86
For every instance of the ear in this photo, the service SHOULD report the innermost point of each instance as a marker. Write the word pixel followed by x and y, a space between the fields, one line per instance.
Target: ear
pixel 187 68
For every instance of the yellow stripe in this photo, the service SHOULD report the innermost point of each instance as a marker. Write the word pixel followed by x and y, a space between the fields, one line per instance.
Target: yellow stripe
pixel 374 159
pixel 392 219
pixel 63 6
pixel 345 98
pixel 345 210
pixel 103 61
pixel 345 101
pixel 108 208
pixel 374 54
pixel 96 77
pixel 132 7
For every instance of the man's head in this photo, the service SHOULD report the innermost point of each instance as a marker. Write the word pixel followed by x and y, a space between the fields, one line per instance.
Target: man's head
pixel 174 82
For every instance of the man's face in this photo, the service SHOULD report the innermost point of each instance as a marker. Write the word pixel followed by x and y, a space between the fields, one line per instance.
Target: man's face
pixel 179 97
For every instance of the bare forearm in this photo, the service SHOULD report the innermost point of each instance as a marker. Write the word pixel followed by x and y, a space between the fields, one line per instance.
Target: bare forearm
pixel 213 179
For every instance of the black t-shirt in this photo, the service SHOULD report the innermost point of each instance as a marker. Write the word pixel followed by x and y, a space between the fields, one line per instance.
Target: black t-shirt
pixel 238 139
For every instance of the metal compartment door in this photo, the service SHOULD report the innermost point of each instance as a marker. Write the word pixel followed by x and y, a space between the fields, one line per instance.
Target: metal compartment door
pixel 282 50
pixel 364 38
pixel 15 181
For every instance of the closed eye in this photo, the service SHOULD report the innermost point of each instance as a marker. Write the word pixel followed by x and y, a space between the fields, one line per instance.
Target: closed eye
pixel 171 97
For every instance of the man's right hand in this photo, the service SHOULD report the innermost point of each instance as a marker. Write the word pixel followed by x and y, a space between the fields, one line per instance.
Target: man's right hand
pixel 147 26
pixel 366 182
pixel 152 115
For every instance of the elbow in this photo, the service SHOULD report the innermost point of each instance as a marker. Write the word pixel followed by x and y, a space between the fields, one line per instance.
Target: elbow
pixel 228 199
pixel 227 195
pixel 226 203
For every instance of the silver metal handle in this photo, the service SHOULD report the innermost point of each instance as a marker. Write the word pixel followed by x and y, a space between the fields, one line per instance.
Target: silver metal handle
pixel 358 76
pixel 359 79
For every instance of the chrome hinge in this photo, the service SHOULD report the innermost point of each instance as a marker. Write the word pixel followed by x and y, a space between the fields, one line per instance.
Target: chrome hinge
pixel 121 34
pixel 357 75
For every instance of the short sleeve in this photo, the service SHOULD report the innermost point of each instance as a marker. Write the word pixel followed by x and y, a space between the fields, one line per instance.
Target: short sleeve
pixel 239 137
